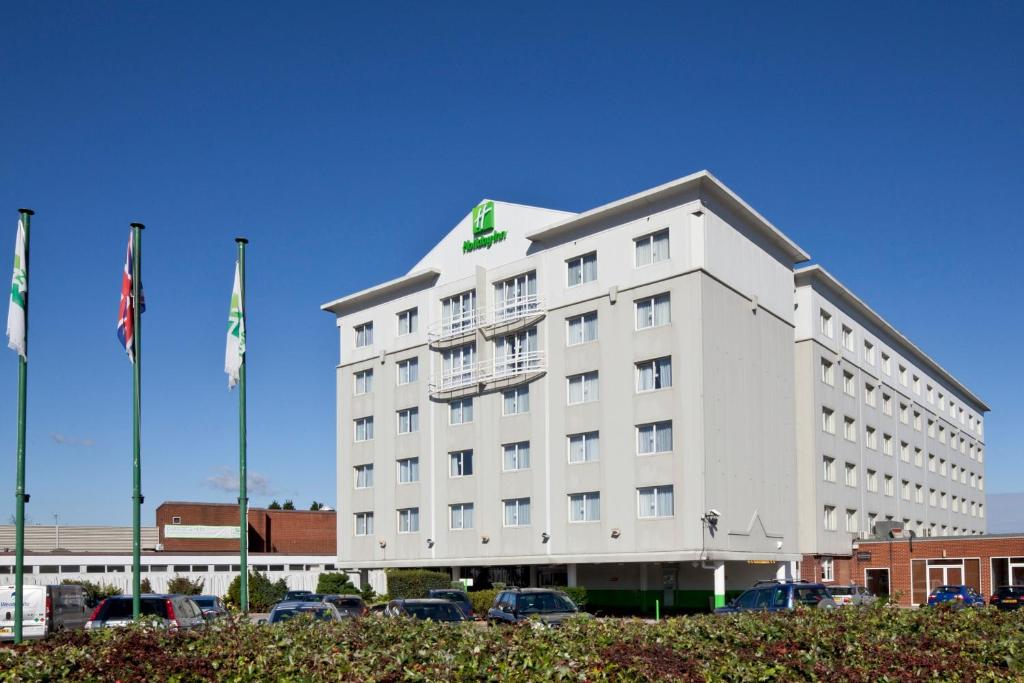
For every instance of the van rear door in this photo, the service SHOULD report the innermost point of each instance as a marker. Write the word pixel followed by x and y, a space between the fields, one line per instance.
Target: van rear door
pixel 33 618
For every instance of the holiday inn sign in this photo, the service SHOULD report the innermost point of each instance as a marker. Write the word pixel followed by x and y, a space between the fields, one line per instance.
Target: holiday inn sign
pixel 484 234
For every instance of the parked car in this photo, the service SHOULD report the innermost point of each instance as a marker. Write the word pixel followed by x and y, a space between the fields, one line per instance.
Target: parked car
pixel 349 606
pixel 776 596
pixel 520 604
pixel 426 608
pixel 1008 597
pixel 460 598
pixel 295 595
pixel 317 610
pixel 211 606
pixel 175 612
pixel 852 595
pixel 958 597
pixel 45 610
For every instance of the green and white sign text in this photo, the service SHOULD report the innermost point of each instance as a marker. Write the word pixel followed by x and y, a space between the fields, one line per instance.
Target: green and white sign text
pixel 484 234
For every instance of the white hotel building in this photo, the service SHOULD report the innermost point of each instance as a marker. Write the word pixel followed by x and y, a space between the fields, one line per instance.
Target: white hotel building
pixel 625 399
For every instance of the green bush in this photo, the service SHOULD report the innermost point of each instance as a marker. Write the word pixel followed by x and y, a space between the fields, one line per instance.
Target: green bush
pixel 94 592
pixel 414 583
pixel 145 586
pixel 335 583
pixel 263 593
pixel 577 594
pixel 482 601
pixel 368 594
pixel 182 585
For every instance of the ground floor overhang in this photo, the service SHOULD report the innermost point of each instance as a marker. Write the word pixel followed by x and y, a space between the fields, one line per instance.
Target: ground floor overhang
pixel 708 557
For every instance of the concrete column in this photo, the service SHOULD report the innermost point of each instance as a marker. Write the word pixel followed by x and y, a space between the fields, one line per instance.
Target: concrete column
pixel 533 576
pixel 570 571
pixel 456 573
pixel 786 570
pixel 720 584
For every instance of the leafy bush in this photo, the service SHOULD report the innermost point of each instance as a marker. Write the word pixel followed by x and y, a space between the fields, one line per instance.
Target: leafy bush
pixel 185 586
pixel 578 594
pixel 145 586
pixel 336 583
pixel 94 592
pixel 482 601
pixel 414 583
pixel 263 593
pixel 368 594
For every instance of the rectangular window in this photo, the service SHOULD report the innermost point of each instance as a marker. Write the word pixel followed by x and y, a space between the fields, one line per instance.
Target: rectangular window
pixel 585 447
pixel 364 523
pixel 871 438
pixel 408 371
pixel 581 269
pixel 516 297
pixel 849 429
pixel 408 321
pixel 458 313
pixel 905 489
pixel 931 430
pixel 651 248
pixel 460 411
pixel 654 374
pixel 460 516
pixel 930 393
pixel 825 322
pixel 457 366
pixel 848 386
pixel 364 335
pixel 904 451
pixel 933 497
pixel 364 476
pixel 848 341
pixel 872 481
pixel 903 376
pixel 931 463
pixel 828 565
pixel 516 401
pixel 851 521
pixel 851 474
pixel 889 489
pixel 583 387
pixel 827 373
pixel 869 395
pixel 886 364
pixel 886 444
pixel 829 518
pixel 918 457
pixel 585 507
pixel 887 404
pixel 917 420
pixel 408 520
pixel 516 353
pixel 408 470
pixel 364 428
pixel 516 456
pixel 653 312
pixel 654 437
pixel 517 511
pixel 917 385
pixel 942 467
pixel 363 382
pixel 655 501
pixel 943 500
pixel 408 420
pixel 581 329
pixel 828 421
pixel 828 468
pixel 904 414
pixel 869 352
pixel 460 463
pixel 919 494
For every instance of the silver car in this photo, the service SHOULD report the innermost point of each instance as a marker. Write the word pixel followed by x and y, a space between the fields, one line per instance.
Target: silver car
pixel 852 595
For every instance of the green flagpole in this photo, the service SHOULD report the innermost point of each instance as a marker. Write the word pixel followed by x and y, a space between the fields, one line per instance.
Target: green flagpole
pixel 20 497
pixel 137 229
pixel 243 500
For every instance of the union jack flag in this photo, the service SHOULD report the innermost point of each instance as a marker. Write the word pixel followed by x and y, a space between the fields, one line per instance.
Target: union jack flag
pixel 126 311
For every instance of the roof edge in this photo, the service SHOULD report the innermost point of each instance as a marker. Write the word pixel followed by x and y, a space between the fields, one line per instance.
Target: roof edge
pixel 409 280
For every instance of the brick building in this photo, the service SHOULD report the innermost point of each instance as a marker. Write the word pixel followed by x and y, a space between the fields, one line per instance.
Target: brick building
pixel 213 527
pixel 911 567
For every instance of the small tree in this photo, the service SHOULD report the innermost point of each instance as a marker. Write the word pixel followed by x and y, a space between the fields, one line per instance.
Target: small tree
pixel 145 586
pixel 367 593
pixel 336 583
pixel 274 505
pixel 414 583
pixel 288 505
pixel 262 591
pixel 183 585
pixel 316 506
pixel 94 592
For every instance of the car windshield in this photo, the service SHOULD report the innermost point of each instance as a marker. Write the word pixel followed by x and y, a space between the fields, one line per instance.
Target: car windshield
pixel 204 601
pixel 121 608
pixel 449 595
pixel 434 611
pixel 810 595
pixel 350 603
pixel 841 590
pixel 533 603
pixel 319 614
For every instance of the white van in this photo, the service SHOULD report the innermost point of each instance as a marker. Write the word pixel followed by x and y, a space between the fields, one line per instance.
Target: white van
pixel 45 610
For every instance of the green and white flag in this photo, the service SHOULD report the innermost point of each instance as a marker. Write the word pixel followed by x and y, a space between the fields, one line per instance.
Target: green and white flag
pixel 19 293
pixel 236 333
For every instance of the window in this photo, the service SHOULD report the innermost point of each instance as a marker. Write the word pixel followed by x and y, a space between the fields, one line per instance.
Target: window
pixel 903 376
pixel 917 385
pixel 904 414
pixel 655 437
pixel 931 430
pixel 829 518
pixel 942 467
pixel 827 373
pixel 943 502
pixel 849 429
pixel 931 394
pixel 871 438
pixel 364 335
pixel 458 313
pixel 933 498
pixel 904 451
pixel 408 371
pixel 905 489
pixel 654 374
pixel 364 523
pixel 516 401
pixel 585 447
pixel 364 428
pixel 583 387
pixel 363 382
pixel 460 411
pixel 851 474
pixel 886 364
pixel 827 568
pixel 953 473
pixel 872 518
pixel 931 462
pixel 886 444
pixel 516 353
pixel 869 352
pixel 408 420
pixel 918 457
pixel 963 475
pixel 408 470
pixel 581 329
pixel 851 521
pixel 364 476
pixel 888 484
pixel 515 297
pixel 408 322
pixel 919 494
pixel 828 467
pixel 457 366
pixel 408 520
pixel 848 386
pixel 653 312
pixel 828 421
pixel 651 248
pixel 887 404
pixel 517 511
pixel 655 501
pixel 848 338
pixel 872 481
pixel 460 516
pixel 974 480
pixel 981 483
pixel 825 322
pixel 581 269
pixel 585 507
pixel 516 456
pixel 175 520
pixel 460 463
pixel 917 420
pixel 869 395
pixel 942 402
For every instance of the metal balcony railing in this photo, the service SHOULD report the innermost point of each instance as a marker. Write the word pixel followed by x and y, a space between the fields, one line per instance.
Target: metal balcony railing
pixel 480 373
pixel 507 312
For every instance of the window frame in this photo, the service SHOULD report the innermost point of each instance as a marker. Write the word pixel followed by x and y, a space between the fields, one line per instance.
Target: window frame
pixel 651 237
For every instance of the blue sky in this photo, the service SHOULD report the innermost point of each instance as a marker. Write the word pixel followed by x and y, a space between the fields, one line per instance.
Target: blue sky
pixel 344 141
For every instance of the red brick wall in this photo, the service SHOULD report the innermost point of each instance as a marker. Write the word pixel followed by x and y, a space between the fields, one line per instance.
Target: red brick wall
pixel 282 531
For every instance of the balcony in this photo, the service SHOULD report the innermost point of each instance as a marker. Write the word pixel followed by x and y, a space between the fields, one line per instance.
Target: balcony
pixel 487 375
pixel 510 315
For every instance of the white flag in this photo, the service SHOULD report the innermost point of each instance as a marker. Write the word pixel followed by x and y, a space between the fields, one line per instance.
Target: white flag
pixel 19 294
pixel 236 333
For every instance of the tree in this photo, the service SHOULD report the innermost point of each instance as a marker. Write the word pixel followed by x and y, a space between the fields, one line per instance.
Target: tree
pixel 262 591
pixel 145 586
pixel 316 506
pixel 94 592
pixel 288 505
pixel 182 585
pixel 274 505
pixel 335 583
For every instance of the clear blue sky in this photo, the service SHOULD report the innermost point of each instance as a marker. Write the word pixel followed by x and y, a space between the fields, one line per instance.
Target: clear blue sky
pixel 344 140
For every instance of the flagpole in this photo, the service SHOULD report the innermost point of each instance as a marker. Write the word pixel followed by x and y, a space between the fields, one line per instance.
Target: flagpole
pixel 243 500
pixel 20 497
pixel 137 229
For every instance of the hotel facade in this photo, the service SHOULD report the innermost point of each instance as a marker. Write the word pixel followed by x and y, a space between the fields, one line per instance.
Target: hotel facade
pixel 625 399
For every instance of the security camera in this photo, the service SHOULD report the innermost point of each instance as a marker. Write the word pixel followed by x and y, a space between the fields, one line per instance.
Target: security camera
pixel 714 513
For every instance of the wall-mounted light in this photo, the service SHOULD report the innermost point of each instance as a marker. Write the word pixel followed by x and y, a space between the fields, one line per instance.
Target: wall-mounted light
pixel 616 533
pixel 430 543
pixel 545 537
pixel 485 539
pixel 382 543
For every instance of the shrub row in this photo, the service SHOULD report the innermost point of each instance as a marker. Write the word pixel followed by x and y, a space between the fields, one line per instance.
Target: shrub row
pixel 414 583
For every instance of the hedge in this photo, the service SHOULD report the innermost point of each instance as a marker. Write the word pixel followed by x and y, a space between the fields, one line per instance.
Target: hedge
pixel 414 583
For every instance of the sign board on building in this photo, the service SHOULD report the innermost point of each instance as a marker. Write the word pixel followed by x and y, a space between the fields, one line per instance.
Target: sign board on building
pixel 200 531
pixel 484 234
pixel 863 556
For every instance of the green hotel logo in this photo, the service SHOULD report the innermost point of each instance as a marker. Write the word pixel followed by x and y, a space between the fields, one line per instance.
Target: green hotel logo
pixel 484 234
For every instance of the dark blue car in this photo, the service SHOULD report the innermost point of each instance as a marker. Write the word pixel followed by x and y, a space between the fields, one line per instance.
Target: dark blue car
pixel 776 596
pixel 957 597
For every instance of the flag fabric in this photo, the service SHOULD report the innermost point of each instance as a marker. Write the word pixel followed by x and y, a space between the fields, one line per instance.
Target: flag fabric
pixel 235 352
pixel 19 295
pixel 126 311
